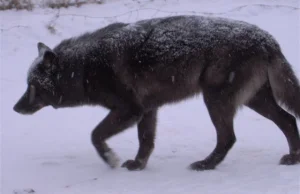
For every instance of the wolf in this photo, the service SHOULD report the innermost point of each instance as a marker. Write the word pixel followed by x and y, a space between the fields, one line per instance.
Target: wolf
pixel 133 69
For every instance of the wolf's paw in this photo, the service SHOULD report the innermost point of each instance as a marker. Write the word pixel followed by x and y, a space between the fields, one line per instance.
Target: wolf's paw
pixel 201 165
pixel 133 165
pixel 290 159
pixel 111 159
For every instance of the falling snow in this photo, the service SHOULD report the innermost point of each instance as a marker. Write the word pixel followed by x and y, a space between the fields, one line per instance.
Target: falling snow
pixel 231 77
pixel 53 154
pixel 60 100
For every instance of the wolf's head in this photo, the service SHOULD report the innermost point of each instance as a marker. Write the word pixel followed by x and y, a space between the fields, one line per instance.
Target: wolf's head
pixel 41 90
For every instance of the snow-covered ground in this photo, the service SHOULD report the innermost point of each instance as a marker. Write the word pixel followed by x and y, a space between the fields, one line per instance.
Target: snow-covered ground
pixel 51 153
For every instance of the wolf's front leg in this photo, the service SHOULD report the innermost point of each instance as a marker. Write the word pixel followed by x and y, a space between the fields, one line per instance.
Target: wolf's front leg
pixel 115 122
pixel 146 134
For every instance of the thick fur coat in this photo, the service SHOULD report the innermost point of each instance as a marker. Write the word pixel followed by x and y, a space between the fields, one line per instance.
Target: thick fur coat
pixel 134 69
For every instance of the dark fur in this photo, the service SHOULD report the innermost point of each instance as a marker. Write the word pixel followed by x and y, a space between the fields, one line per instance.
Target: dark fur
pixel 133 69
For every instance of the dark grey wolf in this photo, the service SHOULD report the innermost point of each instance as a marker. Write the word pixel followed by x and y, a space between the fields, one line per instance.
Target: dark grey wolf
pixel 133 69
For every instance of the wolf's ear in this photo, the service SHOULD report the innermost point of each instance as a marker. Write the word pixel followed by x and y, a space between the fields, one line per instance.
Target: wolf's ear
pixel 42 48
pixel 47 54
pixel 49 58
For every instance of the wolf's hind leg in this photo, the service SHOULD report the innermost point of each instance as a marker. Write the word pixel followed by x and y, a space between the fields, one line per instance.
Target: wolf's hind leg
pixel 115 122
pixel 264 104
pixel 146 135
pixel 221 112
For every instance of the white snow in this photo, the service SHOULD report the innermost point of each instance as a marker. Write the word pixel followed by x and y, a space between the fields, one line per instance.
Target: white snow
pixel 51 153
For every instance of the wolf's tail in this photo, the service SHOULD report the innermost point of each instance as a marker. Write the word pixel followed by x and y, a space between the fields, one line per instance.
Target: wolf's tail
pixel 284 84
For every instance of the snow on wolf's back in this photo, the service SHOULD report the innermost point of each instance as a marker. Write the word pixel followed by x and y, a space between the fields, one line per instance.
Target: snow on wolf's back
pixel 183 33
pixel 172 37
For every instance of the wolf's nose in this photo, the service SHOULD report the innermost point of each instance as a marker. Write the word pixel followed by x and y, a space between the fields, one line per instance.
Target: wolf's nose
pixel 16 108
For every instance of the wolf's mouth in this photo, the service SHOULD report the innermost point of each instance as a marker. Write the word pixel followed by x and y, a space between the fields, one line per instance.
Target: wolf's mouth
pixel 29 110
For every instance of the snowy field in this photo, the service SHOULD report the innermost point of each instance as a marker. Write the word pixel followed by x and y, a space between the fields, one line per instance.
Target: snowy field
pixel 51 153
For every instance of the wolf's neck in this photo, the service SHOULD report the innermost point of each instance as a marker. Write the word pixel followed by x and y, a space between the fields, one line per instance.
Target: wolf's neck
pixel 81 54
